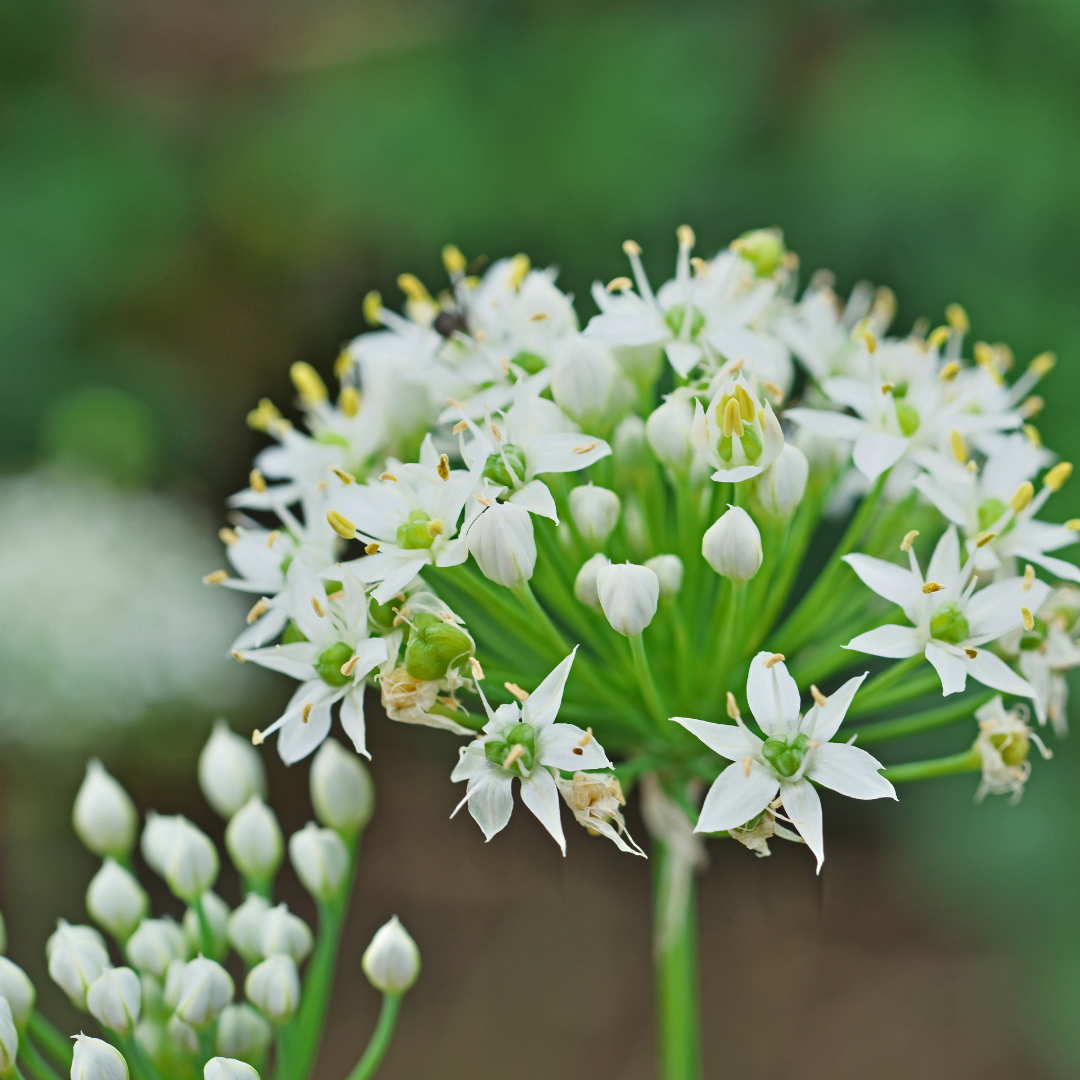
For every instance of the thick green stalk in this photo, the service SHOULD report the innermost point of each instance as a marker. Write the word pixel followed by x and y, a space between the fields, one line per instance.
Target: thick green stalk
pixel 968 761
pixel 905 690
pixel 902 726
pixel 52 1039
pixel 873 687
pixel 380 1038
pixel 38 1066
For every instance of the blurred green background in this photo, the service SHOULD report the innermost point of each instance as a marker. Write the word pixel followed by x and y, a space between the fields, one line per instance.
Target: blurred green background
pixel 194 194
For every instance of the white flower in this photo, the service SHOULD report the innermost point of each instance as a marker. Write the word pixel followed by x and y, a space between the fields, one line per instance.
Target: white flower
pixel 9 1040
pixel 190 866
pixel 154 945
pixel 392 961
pixel 274 986
pixel 320 859
pixel 797 750
pixel 254 840
pixel 223 1068
pixel 230 770
pixel 525 742
pixel 95 1059
pixel 595 511
pixel 668 429
pixel 18 990
pixel 115 998
pixel 1048 653
pixel 76 956
pixel 104 815
pixel 588 385
pixel 332 664
pixel 205 990
pixel 342 792
pixel 950 625
pixel 628 595
pixel 116 900
pixel 781 487
pixel 737 434
pixel 502 543
pixel 669 572
pixel 585 587
pixel 596 801
pixel 245 927
pixel 284 932
pixel 242 1033
pixel 732 545
pixel 1003 743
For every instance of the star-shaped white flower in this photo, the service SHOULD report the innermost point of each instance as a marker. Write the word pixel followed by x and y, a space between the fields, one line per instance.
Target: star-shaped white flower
pixel 795 751
pixel 738 435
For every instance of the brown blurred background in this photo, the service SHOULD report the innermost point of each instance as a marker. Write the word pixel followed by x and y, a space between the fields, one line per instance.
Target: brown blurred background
pixel 193 195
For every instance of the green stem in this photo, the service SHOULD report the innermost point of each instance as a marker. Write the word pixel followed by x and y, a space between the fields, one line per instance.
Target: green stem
pixel 968 761
pixel 204 929
pixel 465 719
pixel 139 1058
pixel 648 683
pixel 904 691
pixel 916 724
pixel 52 1039
pixel 380 1038
pixel 874 686
pixel 17 1072
pixel 37 1065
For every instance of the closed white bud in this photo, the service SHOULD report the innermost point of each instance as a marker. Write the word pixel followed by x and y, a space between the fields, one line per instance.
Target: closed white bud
pixel 595 511
pixel 284 932
pixel 585 582
pixel 154 945
pixel 669 572
pixel 216 914
pixel 104 816
pixel 9 1040
pixel 584 382
pixel 243 1033
pixel 153 1001
pixel 206 989
pixel 230 770
pixel 668 431
pixel 191 864
pixel 392 961
pixel 781 487
pixel 95 1059
pixel 254 841
pixel 223 1068
pixel 115 999
pixel 184 1035
pixel 320 859
pixel 629 442
pixel 115 900
pixel 16 987
pixel 628 596
pixel 158 835
pixel 502 543
pixel 77 956
pixel 174 984
pixel 732 545
pixel 274 986
pixel 245 927
pixel 341 789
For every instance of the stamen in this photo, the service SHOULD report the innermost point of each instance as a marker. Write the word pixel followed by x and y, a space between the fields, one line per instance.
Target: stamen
pixel 701 267
pixel 388 476
pixel 774 392
pixel 984 538
pixel 477 670
pixel 540 316
pixel 1056 477
pixel 519 269
pixel 949 371
pixel 1042 364
pixel 1031 433
pixel 909 540
pixel 257 481
pixel 307 711
pixel 309 386
pixel 971 653
pixel 1032 406
pixel 349 400
pixel 631 247
pixel 620 284
pixel 266 414
pixel 1029 619
pixel 216 577
pixel 322 485
pixel 516 751
pixel 776 658
pixel 455 403
pixel 938 337
pixel 496 433
pixel 685 236
pixel 345 477
pixel 453 260
pixel 733 424
pixel 504 363
pixel 732 707
pixel 746 763
pixel 1029 577
pixel 888 387
pixel 335 596
pixel 819 698
pixel 517 691
pixel 932 587
pixel 1022 495
pixel 372 548
pixel 228 536
pixel 460 426
pixel 586 738
pixel 257 737
pixel 412 287
pixel 435 528
pixel 239 656
pixel 272 537
pixel 1073 524
pixel 482 499
pixel 958 318
pixel 972 467
pixel 350 666
pixel 261 607
pixel 585 449
pixel 958 446
pixel 443 468
pixel 341 525
pixel 746 404
pixel 317 607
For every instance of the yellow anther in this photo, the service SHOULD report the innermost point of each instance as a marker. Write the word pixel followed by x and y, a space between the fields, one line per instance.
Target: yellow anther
pixel 631 247
pixel 733 424
pixel 435 528
pixel 685 236
pixel 523 695
pixel 334 597
pixel 819 698
pixel 701 267
pixel 317 607
pixel 519 269
pixel 984 355
pixel 216 577
pixel 453 260
pixel 271 537
pixel 587 448
pixel 957 318
pixel 349 666
pixel 460 426
pixel 1032 406
pixel 1022 496
pixel 538 316
pixel 932 587
pixel 322 485
pixel 261 418
pixel 372 548
pixel 971 653
pixel 586 738
pixel 958 446
pixel 496 434
pixel 747 762
pixel 516 751
pixel 482 499
pixel 388 476
pixel 261 607
pixel 1056 477
pixel 865 334
pixel 239 656
pixel 746 404
pixel 473 282
pixel 938 337
pixel 620 284
pixel 774 392
pixel 412 287
pixel 443 468
pixel 228 536
pixel 1073 524
pixel 257 481
pixel 342 364
pixel 949 371
pixel 888 387
pixel 309 386
pixel 257 737
pixel 773 660
pixel 1043 364
pixel 477 670
pixel 349 400
pixel 1029 619
pixel 909 539
pixel 732 707
pixel 341 525
pixel 972 467
pixel 373 308
pixel 1029 577
pixel 1031 433
pixel 884 304
pixel 305 715
pixel 343 476
pixel 984 538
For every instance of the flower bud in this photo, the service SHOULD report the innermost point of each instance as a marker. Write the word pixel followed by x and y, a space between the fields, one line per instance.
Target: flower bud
pixel 230 771
pixel 16 987
pixel 436 645
pixel 341 789
pixel 191 864
pixel 77 956
pixel 174 984
pixel 223 1068
pixel 320 859
pixel 781 486
pixel 242 1033
pixel 206 989
pixel 629 444
pixel 284 932
pixel 502 543
pixel 246 927
pixel 763 249
pixel 595 511
pixel 732 545
pixel 9 1040
pixel 585 582
pixel 274 986
pixel 392 961
pixel 668 431
pixel 628 596
pixel 104 815
pixel 669 572
pixel 157 840
pixel 216 914
pixel 584 382
pixel 115 998
pixel 254 841
pixel 184 1035
pixel 115 900
pixel 95 1059
pixel 154 945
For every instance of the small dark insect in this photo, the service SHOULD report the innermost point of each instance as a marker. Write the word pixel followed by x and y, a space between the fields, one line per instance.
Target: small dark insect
pixel 448 323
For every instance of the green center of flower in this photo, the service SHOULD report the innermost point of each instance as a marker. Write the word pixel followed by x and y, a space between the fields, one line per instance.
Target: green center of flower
pixel 383 615
pixel 950 625
pixel 989 512
pixel 1014 746
pixel 506 752
pixel 496 471
pixel 529 362
pixel 434 646
pixel 292 634
pixel 786 758
pixel 764 248
pixel 1032 639
pixel 907 416
pixel 330 661
pixel 414 533
pixel 676 314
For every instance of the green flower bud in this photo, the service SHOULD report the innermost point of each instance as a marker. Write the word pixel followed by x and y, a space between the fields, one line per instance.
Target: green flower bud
pixel 435 645
pixel 786 758
pixel 521 761
pixel 496 471
pixel 677 313
pixel 764 248
pixel 908 416
pixel 989 512
pixel 950 625
pixel 330 661
pixel 415 534
pixel 529 362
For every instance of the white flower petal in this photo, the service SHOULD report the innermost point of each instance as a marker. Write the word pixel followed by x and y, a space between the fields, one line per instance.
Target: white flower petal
pixel 833 425
pixel 876 451
pixel 945 562
pixel 727 740
pixel 564 452
pixel 822 722
pixel 737 475
pixel 542 705
pixel 683 356
pixel 896 642
pixel 804 809
pixel 398 574
pixel 951 668
pixel 735 798
pixel 995 610
pixel 296 739
pixel 490 799
pixel 296 659
pixel 992 671
pixel 537 499
pixel 772 695
pixel 1061 568
pixel 541 796
pixel 264 629
pixel 352 718
pixel 850 771
pixel 895 583
pixel 566 746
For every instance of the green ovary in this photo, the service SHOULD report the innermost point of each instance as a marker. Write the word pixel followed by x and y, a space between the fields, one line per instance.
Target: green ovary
pixel 330 662
pixel 675 317
pixel 950 625
pixel 786 758
pixel 496 471
pixel 908 417
pixel 414 533
pixel 529 362
pixel 434 646
pixel 990 510
pixel 519 734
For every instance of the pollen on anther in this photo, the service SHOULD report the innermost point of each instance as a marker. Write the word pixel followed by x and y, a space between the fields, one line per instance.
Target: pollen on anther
pixel 932 587
pixel 443 467
pixel 517 691
pixel 1029 577
pixel 317 607
pixel 1029 619
pixel 477 670
pixel 238 656
pixel 387 476
pixel 350 666
pixel 984 538
pixel 371 549
pixel 586 738
pixel 819 698
pixel 773 660
pixel 308 706
pixel 257 737
pixel 482 499
pixel 257 481
pixel 588 448
pixel 271 539
pixel 216 577
pixel 746 763
pixel 971 653
pixel 631 247
pixel 228 536
pixel 619 284
pixel 909 539
pixel 732 707
pixel 345 477
pixel 261 607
